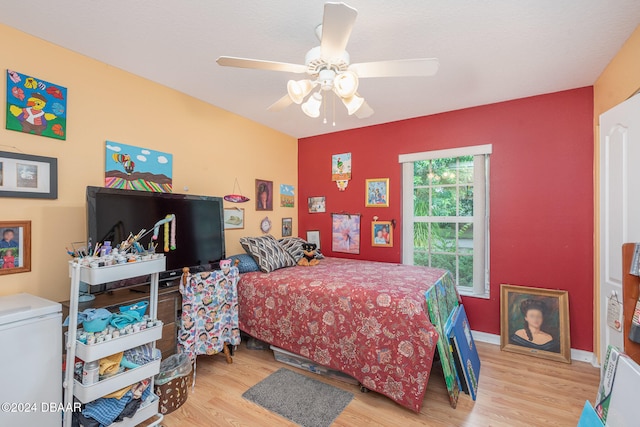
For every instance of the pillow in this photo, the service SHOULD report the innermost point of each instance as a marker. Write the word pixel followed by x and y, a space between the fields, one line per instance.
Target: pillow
pixel 246 263
pixel 293 245
pixel 269 255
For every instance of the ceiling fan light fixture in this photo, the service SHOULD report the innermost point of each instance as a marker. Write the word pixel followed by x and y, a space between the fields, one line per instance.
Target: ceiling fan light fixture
pixel 353 103
pixel 312 106
pixel 298 90
pixel 346 84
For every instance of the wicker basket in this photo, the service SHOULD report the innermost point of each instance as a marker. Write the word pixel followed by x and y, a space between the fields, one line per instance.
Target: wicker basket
pixel 173 394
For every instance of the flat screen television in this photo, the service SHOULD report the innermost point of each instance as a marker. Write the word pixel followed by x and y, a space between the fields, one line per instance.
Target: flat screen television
pixel 112 214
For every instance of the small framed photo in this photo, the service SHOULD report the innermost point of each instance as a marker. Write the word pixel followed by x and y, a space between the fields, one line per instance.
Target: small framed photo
pixel 23 175
pixel 287 227
pixel 15 247
pixel 535 321
pixel 264 195
pixel 382 234
pixel 377 193
pixel 233 218
pixel 313 236
pixel 317 204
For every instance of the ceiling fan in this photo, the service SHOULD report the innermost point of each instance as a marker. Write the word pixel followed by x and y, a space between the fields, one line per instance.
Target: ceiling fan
pixel 329 69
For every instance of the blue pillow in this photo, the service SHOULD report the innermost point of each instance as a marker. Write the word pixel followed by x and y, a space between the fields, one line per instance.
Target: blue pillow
pixel 246 265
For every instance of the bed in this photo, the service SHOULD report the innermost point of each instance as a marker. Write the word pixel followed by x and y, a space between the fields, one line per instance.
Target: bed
pixel 366 319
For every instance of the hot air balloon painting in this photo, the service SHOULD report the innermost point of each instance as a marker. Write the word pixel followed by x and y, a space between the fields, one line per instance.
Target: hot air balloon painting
pixel 36 106
pixel 135 168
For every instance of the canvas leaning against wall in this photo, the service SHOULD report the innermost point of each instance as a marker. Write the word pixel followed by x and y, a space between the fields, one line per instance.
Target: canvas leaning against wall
pixel 135 168
pixel 36 106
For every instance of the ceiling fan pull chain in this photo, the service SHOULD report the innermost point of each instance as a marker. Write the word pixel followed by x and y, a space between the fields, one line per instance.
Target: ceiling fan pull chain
pixel 334 109
pixel 324 112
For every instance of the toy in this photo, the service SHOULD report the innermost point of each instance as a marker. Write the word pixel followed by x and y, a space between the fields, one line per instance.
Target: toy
pixel 309 255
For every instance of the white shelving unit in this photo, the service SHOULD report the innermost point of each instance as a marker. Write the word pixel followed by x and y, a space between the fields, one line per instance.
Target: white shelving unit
pixel 88 353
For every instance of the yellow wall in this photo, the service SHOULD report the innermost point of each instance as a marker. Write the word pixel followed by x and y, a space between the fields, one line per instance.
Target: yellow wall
pixel 619 80
pixel 210 147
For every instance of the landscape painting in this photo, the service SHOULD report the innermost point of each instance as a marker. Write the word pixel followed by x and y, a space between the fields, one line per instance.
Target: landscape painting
pixel 135 168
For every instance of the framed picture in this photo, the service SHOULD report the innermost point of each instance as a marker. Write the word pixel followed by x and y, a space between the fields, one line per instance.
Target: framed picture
pixel 233 218
pixel 313 236
pixel 264 195
pixel 23 175
pixel 317 204
pixel 287 227
pixel 287 196
pixel 382 233
pixel 535 321
pixel 15 247
pixel 377 193
pixel 345 233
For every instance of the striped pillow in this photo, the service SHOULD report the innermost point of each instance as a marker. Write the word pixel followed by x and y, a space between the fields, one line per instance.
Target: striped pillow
pixel 267 252
pixel 293 245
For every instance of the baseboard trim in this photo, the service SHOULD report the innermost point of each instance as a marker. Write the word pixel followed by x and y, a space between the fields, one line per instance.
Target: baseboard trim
pixel 577 355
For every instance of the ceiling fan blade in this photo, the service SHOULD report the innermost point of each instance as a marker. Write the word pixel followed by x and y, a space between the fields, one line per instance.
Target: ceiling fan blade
pixel 400 68
pixel 364 111
pixel 230 61
pixel 337 24
pixel 281 104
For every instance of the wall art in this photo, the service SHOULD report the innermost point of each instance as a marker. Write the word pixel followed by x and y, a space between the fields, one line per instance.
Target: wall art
pixel 135 168
pixel 287 227
pixel 287 196
pixel 317 204
pixel 264 195
pixel 36 106
pixel 233 218
pixel 15 247
pixel 377 192
pixel 535 321
pixel 345 233
pixel 26 176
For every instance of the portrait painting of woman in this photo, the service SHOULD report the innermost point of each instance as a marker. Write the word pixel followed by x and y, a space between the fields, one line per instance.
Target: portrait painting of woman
pixel 531 334
pixel 535 321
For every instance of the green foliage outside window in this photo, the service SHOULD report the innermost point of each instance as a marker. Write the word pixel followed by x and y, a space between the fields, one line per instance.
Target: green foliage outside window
pixel 443 207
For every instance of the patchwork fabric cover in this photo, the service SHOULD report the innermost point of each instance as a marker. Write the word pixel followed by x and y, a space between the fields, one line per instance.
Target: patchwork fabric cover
pixel 267 252
pixel 209 312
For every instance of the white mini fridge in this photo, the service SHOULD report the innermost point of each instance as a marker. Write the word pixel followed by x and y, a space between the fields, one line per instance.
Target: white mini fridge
pixel 30 361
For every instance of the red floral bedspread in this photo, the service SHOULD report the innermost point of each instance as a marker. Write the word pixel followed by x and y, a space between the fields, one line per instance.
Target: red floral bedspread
pixel 366 319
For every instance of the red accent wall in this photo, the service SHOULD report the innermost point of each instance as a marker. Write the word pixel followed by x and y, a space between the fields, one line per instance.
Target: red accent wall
pixel 541 193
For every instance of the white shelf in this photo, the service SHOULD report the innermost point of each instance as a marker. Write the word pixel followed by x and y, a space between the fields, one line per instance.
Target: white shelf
pixel 92 352
pixel 111 273
pixel 87 393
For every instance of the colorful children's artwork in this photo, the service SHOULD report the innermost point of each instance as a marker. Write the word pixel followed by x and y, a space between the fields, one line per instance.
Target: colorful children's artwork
pixel 442 299
pixel 287 196
pixel 135 168
pixel 36 106
pixel 345 233
pixel 341 167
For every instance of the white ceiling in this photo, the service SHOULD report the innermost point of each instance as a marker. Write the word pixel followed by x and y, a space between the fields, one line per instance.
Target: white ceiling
pixel 489 51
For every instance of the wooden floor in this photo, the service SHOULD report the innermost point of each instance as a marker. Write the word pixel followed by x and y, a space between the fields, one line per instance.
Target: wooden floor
pixel 514 390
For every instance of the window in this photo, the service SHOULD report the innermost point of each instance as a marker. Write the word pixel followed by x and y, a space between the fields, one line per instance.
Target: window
pixel 446 214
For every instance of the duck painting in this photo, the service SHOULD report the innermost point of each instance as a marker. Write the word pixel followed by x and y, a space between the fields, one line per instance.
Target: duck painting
pixel 36 106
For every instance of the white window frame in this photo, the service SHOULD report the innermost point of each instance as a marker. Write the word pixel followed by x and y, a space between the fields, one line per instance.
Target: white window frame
pixel 480 219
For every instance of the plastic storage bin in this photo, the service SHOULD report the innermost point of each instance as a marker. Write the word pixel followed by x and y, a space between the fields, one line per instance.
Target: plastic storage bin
pixel 173 382
pixel 311 366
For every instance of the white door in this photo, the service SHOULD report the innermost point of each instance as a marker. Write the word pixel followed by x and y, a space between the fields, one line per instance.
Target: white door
pixel 619 203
